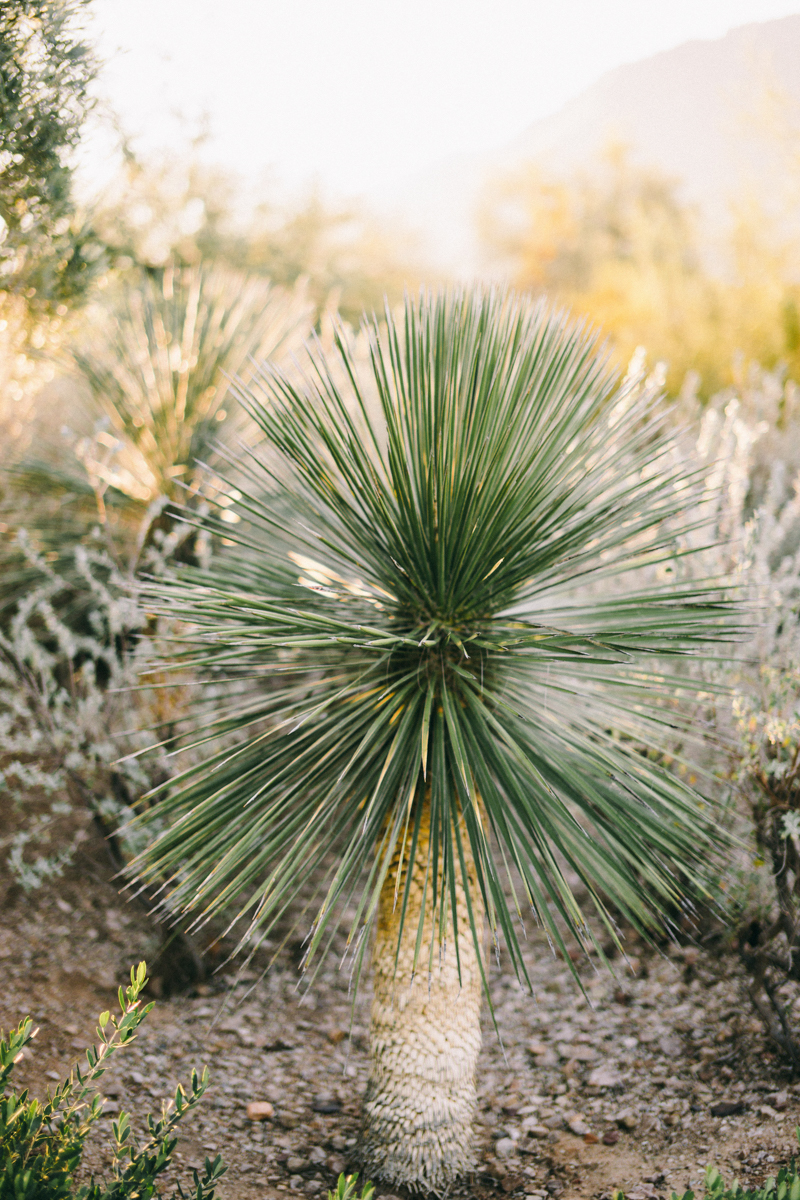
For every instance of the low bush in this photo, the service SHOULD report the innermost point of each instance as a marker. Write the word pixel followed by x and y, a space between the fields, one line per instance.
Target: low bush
pixel 42 1142
pixel 783 1186
pixel 346 1189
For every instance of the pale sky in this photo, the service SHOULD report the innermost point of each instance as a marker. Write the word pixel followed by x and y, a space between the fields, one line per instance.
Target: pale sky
pixel 357 93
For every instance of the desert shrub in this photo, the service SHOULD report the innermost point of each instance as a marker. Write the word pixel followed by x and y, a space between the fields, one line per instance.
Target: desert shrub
pixel 747 446
pixel 783 1186
pixel 347 1189
pixel 73 716
pixel 42 1141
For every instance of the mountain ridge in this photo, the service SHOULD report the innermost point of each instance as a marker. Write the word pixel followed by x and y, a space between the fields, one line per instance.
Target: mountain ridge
pixel 696 112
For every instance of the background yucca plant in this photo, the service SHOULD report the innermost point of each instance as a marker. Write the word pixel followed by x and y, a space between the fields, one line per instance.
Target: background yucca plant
pixel 453 561
pixel 156 360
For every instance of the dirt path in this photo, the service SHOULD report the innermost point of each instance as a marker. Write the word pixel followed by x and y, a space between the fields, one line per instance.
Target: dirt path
pixel 585 1094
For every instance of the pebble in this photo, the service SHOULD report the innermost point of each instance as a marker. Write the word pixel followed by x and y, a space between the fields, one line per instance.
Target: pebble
pixel 577 1053
pixel 578 1126
pixel 727 1108
pixel 506 1146
pixel 537 1131
pixel 296 1164
pixel 260 1110
pixel 626 1119
pixel 603 1077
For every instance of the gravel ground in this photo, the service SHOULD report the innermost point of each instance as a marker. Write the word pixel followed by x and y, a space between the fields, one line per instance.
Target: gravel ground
pixel 626 1086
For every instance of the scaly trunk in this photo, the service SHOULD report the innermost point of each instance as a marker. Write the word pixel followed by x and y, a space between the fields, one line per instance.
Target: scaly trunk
pixel 425 1037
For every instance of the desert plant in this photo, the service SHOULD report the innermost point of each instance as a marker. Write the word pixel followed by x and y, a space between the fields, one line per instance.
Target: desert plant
pixel 42 1142
pixel 347 1189
pixel 472 699
pixel 157 365
pixel 747 445
pixel 783 1186
pixel 158 369
pixel 46 71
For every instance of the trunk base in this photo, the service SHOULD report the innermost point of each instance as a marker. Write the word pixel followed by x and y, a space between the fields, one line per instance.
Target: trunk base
pixel 425 1039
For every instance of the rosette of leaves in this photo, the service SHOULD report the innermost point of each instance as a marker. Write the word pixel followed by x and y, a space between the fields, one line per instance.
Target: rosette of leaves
pixel 449 558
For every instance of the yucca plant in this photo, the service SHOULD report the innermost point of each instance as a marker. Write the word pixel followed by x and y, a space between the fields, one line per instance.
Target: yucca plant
pixel 160 364
pixel 473 694
pixel 157 363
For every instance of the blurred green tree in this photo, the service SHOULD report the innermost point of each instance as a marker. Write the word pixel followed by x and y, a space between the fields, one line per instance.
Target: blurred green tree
pixel 46 67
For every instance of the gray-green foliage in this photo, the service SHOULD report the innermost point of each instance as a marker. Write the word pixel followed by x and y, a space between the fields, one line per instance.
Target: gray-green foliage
pixel 69 711
pixel 46 67
pixel 451 565
pixel 42 1141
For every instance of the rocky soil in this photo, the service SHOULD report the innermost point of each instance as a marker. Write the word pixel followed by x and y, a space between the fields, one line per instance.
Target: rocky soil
pixel 637 1084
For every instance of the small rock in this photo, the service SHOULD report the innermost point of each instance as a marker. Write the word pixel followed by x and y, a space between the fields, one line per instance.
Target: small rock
pixel 260 1110
pixel 312 1186
pixel 326 1104
pixel 296 1182
pixel 671 1046
pixel 295 1164
pixel 338 1141
pixel 336 1036
pixel 276 1047
pixel 604 1077
pixel 626 1119
pixel 537 1131
pixel 537 1048
pixel 591 1139
pixel 577 1126
pixel 611 1137
pixel 505 1146
pixel 336 1164
pixel 727 1108
pixel 578 1053
pixel 317 1155
pixel 554 1122
pixel 778 1100
pixel 767 1111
